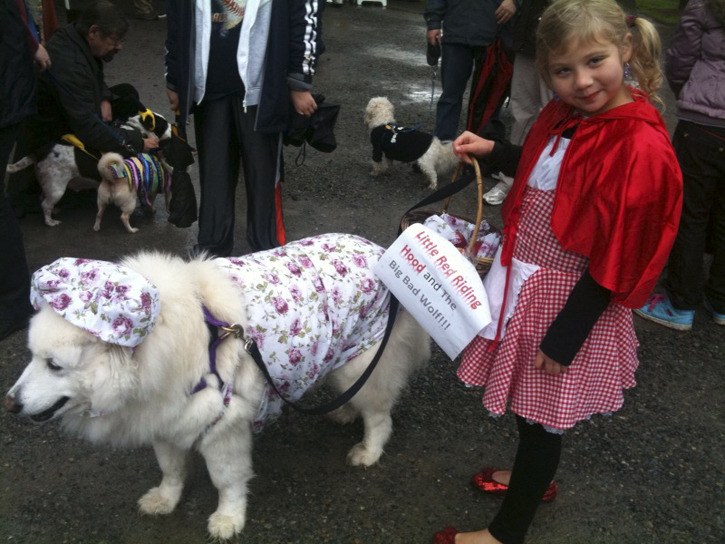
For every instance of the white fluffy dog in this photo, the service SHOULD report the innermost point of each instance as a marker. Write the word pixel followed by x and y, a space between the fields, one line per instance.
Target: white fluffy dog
pixel 163 390
pixel 392 142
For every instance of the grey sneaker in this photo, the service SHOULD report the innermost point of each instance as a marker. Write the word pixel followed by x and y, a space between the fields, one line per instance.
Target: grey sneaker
pixel 496 196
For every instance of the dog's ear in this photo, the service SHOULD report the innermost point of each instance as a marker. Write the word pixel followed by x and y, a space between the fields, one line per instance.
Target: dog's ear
pixel 114 378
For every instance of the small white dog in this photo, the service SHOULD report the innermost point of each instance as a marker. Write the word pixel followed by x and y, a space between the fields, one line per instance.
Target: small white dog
pixel 58 170
pixel 121 355
pixel 392 142
pixel 124 181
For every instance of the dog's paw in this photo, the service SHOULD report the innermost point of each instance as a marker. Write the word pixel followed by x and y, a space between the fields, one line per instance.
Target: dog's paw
pixel 360 455
pixel 155 503
pixel 344 415
pixel 378 168
pixel 433 185
pixel 223 526
pixel 52 222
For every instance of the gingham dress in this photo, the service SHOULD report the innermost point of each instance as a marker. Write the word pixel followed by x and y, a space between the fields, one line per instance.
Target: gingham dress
pixel 603 367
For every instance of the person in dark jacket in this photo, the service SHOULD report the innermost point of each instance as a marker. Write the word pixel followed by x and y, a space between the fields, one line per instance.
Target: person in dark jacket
pixel 18 49
pixel 695 70
pixel 529 93
pixel 463 29
pixel 74 98
pixel 240 68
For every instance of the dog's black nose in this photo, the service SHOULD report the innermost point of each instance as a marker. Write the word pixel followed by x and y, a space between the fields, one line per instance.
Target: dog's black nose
pixel 11 405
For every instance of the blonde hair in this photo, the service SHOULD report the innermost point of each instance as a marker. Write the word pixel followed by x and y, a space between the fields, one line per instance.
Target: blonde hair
pixel 597 20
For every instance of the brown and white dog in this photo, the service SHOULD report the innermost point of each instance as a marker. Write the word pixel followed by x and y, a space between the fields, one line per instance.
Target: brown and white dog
pixel 58 170
pixel 124 181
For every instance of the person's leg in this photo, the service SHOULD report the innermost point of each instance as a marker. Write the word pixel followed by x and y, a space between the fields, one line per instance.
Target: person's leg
pixel 456 66
pixel 715 285
pixel 263 171
pixel 537 459
pixel 15 308
pixel 526 97
pixel 685 277
pixel 218 154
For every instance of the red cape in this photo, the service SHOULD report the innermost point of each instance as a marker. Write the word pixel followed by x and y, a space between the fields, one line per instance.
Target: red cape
pixel 618 197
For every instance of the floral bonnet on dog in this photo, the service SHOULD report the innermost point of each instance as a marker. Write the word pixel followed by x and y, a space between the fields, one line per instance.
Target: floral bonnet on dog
pixel 110 301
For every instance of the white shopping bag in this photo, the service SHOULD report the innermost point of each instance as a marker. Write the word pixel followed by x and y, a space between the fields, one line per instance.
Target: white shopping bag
pixel 437 285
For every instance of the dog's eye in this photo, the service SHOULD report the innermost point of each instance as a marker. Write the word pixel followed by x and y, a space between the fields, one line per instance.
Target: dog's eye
pixel 51 365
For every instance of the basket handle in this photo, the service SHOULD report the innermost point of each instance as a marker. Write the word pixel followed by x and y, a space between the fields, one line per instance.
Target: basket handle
pixel 479 211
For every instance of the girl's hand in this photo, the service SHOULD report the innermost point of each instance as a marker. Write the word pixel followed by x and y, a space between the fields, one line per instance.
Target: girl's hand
pixel 469 143
pixel 548 365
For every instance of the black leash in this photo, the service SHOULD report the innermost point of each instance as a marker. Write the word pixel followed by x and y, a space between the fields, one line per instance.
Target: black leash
pixel 250 346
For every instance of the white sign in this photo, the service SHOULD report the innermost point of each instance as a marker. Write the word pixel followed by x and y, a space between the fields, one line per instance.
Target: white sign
pixel 437 285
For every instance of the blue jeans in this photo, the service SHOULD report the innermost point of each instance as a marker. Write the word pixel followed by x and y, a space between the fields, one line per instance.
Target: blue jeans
pixel 701 153
pixel 456 68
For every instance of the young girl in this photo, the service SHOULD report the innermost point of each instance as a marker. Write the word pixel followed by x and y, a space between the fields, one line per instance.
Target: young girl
pixel 589 222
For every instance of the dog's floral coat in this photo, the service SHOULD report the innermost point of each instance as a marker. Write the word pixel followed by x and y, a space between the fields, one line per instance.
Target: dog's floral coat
pixel 312 306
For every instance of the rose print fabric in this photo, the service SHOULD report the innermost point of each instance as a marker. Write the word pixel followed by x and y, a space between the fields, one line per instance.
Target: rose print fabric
pixel 110 301
pixel 312 305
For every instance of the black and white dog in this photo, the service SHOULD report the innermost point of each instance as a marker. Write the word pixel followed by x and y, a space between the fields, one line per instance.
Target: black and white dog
pixel 392 142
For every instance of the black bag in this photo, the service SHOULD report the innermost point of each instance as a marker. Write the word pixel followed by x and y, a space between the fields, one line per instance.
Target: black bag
pixel 318 130
pixel 182 207
pixel 432 54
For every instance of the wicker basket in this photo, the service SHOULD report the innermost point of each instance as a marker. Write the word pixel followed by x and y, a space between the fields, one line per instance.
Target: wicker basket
pixel 483 264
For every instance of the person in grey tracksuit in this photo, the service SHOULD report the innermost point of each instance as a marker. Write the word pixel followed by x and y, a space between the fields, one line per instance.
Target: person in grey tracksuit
pixel 239 67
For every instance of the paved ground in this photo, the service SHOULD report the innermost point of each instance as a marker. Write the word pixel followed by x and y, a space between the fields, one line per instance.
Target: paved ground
pixel 652 473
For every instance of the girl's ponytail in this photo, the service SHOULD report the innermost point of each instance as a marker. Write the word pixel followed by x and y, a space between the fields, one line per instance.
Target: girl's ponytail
pixel 646 53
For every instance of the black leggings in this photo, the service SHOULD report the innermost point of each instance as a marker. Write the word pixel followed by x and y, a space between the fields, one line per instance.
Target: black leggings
pixel 537 459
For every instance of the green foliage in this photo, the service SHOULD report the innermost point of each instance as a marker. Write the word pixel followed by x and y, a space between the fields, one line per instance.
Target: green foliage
pixel 662 11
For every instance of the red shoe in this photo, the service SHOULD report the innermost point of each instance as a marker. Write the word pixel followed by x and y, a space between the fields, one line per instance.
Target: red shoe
pixel 446 536
pixel 484 481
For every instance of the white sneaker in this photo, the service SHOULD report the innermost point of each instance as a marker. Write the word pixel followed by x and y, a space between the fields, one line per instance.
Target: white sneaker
pixel 496 196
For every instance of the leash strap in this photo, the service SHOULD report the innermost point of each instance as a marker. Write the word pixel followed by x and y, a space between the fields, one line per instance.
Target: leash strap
pixel 447 191
pixel 251 347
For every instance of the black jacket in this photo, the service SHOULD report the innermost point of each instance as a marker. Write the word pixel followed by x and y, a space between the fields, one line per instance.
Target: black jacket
pixel 289 60
pixel 525 25
pixel 399 143
pixel 69 99
pixel 17 78
pixel 467 22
